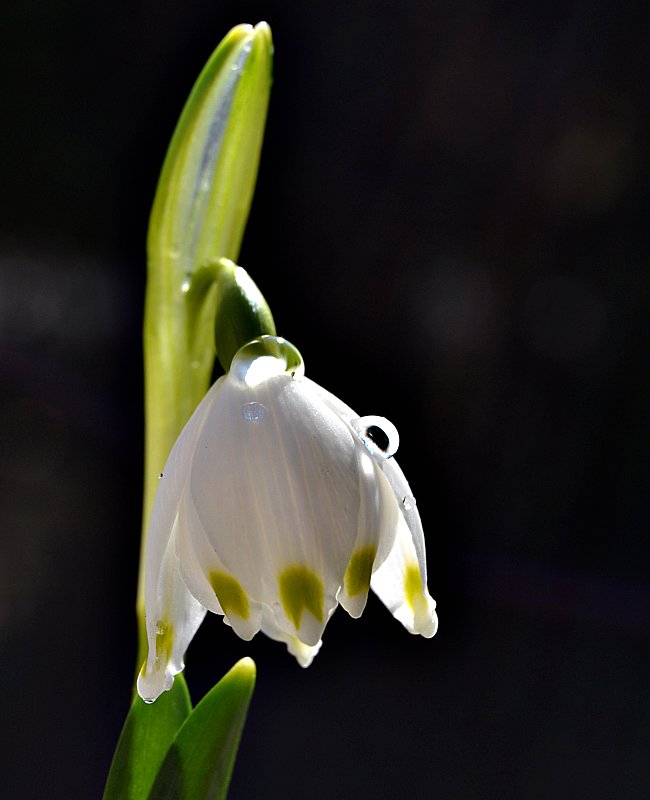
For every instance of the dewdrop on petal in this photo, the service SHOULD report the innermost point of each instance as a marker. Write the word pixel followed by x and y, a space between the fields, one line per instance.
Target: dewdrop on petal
pixel 277 504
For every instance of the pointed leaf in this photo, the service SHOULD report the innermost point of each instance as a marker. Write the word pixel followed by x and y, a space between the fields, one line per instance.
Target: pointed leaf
pixel 207 181
pixel 145 739
pixel 200 760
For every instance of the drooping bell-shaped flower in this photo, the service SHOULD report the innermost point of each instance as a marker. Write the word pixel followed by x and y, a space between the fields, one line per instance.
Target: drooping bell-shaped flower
pixel 276 504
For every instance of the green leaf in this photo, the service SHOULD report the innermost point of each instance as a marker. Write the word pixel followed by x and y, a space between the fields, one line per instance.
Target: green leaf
pixel 145 739
pixel 200 760
pixel 207 180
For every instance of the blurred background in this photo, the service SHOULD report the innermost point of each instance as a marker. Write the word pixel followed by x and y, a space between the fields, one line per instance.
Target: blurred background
pixel 455 191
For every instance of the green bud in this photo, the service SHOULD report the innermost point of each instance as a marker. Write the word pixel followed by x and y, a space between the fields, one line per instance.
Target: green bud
pixel 242 313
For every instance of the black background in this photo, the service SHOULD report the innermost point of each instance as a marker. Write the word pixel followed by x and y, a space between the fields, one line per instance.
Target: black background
pixel 450 225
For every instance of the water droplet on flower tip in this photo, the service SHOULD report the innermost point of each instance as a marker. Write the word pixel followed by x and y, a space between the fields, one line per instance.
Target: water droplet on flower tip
pixel 409 502
pixel 253 412
pixel 148 700
pixel 187 283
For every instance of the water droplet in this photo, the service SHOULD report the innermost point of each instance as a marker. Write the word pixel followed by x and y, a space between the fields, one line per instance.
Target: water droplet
pixel 378 434
pixel 160 476
pixel 187 283
pixel 253 412
pixel 408 502
pixel 148 700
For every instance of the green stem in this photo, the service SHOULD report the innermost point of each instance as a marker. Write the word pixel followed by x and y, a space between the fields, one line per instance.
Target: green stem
pixel 198 217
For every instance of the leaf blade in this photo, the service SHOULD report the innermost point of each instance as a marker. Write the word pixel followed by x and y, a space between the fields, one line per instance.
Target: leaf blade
pixel 144 741
pixel 200 760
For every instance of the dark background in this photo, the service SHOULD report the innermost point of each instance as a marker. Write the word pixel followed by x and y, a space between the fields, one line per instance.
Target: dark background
pixel 450 224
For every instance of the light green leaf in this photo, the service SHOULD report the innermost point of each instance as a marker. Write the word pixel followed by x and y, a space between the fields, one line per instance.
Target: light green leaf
pixel 207 180
pixel 200 760
pixel 145 739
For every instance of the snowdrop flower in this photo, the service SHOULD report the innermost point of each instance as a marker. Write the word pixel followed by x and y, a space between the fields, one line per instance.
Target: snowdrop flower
pixel 277 504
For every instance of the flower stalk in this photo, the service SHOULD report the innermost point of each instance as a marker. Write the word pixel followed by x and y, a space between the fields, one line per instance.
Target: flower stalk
pixel 198 218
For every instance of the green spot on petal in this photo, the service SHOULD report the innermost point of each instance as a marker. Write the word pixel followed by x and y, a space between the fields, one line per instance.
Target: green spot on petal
pixel 413 586
pixel 300 590
pixel 357 575
pixel 232 598
pixel 164 641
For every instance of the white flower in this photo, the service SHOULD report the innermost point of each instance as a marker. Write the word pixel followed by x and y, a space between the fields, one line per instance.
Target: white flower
pixel 276 504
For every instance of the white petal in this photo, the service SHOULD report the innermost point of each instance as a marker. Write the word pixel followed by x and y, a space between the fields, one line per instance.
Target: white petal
pixel 170 488
pixel 196 558
pixel 303 653
pixel 172 614
pixel 378 516
pixel 207 578
pixel 408 508
pixel 400 586
pixel 397 511
pixel 275 484
pixel 340 408
pixel 172 621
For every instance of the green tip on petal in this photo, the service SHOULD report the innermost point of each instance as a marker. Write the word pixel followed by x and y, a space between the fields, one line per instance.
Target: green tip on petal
pixel 301 590
pixel 232 598
pixel 359 571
